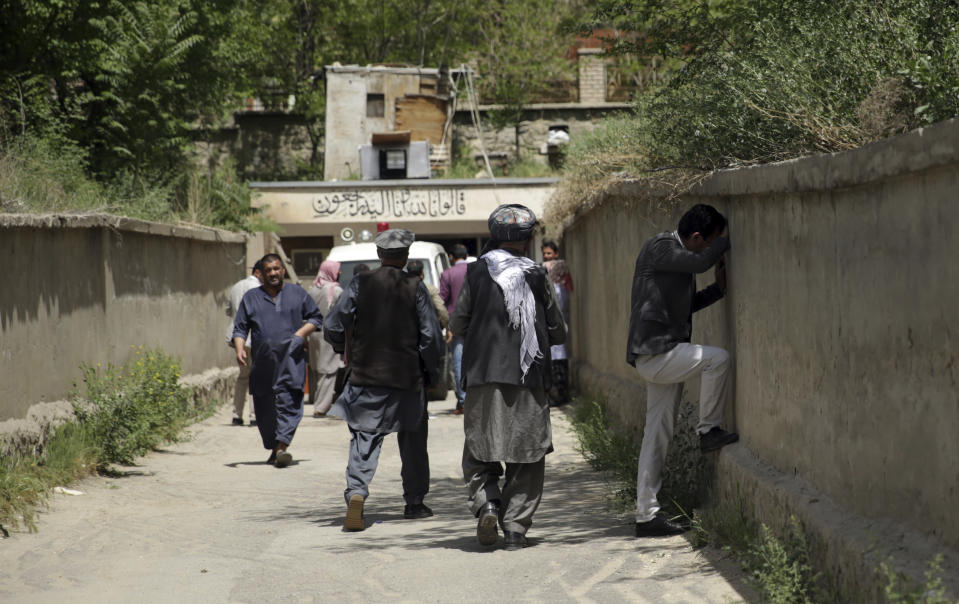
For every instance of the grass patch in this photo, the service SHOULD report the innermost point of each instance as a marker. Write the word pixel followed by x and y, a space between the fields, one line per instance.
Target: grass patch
pixel 42 175
pixel 120 413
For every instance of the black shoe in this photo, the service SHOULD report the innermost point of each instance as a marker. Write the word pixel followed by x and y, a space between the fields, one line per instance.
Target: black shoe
pixel 486 532
pixel 514 541
pixel 660 526
pixel 283 459
pixel 417 510
pixel 272 459
pixel 716 439
pixel 252 421
pixel 237 421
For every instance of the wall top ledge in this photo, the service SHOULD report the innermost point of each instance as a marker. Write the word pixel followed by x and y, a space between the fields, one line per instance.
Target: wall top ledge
pixel 119 223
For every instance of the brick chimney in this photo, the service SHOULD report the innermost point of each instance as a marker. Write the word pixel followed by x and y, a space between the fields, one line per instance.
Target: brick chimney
pixel 592 76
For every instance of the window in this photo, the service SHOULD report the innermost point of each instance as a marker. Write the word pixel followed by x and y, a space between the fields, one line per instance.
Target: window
pixel 375 105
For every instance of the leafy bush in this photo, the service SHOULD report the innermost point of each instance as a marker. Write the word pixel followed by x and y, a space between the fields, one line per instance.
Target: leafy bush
pixel 122 412
pixel 901 590
pixel 133 409
pixel 768 82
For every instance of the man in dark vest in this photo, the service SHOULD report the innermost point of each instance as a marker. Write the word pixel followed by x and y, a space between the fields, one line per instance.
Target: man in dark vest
pixel 508 317
pixel 393 351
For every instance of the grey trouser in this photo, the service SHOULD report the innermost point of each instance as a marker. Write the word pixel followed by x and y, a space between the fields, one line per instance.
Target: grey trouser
pixel 519 497
pixel 365 455
pixel 278 416
pixel 321 391
pixel 665 374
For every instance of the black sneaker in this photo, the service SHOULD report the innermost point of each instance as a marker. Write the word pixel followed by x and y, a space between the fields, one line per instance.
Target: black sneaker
pixel 237 421
pixel 417 510
pixel 716 439
pixel 659 526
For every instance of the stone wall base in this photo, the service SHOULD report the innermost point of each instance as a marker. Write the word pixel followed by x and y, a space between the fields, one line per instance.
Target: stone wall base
pixel 20 437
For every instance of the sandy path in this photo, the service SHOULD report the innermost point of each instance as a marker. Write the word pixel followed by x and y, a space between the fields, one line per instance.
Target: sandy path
pixel 207 520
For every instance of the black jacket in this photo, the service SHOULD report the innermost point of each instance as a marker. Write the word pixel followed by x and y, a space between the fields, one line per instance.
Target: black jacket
pixel 664 294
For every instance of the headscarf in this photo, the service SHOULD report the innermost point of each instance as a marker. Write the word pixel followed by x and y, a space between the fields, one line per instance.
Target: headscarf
pixel 326 279
pixel 514 222
pixel 509 272
pixel 559 273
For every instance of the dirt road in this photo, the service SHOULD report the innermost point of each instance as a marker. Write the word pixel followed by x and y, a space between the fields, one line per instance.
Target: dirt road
pixel 207 520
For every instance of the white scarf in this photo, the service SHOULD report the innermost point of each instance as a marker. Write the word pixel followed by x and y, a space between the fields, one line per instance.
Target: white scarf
pixel 508 271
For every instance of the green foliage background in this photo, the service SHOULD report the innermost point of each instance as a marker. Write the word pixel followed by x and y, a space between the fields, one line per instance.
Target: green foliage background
pixel 113 94
pixel 756 81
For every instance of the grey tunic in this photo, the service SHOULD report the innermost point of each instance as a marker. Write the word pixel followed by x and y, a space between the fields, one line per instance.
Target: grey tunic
pixel 505 422
pixel 323 359
pixel 379 409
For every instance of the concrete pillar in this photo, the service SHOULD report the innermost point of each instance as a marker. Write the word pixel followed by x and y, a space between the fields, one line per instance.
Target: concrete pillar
pixel 592 76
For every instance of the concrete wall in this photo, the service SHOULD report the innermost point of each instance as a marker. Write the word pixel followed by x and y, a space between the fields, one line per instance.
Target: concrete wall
pixel 86 290
pixel 842 325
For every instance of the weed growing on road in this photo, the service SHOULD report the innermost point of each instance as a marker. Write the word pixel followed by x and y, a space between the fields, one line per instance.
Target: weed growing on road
pixel 686 473
pixel 25 482
pixel 606 450
pixel 779 567
pixel 132 409
pixel 122 412
pixel 899 589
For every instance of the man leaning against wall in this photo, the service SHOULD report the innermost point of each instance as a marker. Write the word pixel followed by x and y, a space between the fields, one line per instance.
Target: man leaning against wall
pixel 664 298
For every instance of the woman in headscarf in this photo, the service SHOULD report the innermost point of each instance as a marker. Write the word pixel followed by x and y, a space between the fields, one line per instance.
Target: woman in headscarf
pixel 324 363
pixel 562 286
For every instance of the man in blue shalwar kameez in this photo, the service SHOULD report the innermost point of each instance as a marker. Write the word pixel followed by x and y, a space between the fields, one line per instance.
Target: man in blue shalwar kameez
pixel 279 316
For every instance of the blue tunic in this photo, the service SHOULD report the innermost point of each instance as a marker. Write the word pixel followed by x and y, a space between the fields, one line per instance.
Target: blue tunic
pixel 278 362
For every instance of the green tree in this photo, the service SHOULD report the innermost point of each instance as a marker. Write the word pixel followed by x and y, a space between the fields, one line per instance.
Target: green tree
pixel 125 79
